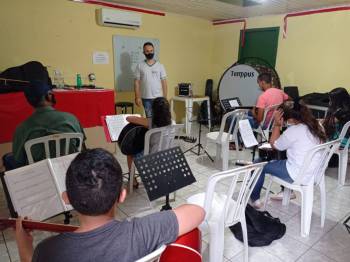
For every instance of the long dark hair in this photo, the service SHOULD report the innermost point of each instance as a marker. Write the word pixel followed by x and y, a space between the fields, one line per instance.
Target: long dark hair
pixel 339 109
pixel 161 112
pixel 302 114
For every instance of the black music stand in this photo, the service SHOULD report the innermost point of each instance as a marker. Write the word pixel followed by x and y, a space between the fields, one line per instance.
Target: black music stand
pixel 347 224
pixel 199 144
pixel 163 173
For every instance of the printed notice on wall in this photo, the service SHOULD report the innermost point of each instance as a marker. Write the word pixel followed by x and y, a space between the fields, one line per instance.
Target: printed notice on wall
pixel 100 58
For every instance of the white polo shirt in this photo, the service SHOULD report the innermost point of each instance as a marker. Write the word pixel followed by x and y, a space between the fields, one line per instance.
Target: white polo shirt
pixel 298 140
pixel 150 77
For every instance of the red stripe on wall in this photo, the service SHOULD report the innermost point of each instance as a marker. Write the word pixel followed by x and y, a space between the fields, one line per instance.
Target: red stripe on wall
pixel 123 7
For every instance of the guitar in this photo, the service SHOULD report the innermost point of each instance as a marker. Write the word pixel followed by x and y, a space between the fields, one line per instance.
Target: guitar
pixel 35 225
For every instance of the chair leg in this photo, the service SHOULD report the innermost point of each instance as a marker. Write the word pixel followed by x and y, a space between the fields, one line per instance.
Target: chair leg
pixel 216 243
pixel 218 160
pixel 225 152
pixel 307 196
pixel 268 191
pixel 323 201
pixel 343 162
pixel 245 238
pixel 286 197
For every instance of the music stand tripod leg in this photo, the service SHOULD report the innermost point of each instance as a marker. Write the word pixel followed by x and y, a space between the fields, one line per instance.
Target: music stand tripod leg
pixel 199 144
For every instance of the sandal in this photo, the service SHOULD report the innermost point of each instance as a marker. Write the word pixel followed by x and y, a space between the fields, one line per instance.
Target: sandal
pixel 135 184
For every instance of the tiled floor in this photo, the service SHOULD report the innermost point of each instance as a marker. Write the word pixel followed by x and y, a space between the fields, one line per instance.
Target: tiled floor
pixel 331 243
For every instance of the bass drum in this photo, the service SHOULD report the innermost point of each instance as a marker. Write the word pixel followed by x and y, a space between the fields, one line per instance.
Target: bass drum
pixel 132 139
pixel 240 80
pixel 186 248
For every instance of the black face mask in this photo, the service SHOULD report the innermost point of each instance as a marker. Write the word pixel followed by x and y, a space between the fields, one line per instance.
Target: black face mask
pixel 149 56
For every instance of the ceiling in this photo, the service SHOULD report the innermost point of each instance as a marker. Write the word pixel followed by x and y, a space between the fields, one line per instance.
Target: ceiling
pixel 228 9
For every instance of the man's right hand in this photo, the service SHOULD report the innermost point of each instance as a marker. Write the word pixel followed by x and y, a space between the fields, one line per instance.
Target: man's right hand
pixel 138 101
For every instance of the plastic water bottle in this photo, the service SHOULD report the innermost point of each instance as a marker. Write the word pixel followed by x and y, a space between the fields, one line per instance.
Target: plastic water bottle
pixel 58 79
pixel 79 82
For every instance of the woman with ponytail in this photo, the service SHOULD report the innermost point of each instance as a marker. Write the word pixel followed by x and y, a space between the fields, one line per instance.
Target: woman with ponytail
pixel 338 113
pixel 303 133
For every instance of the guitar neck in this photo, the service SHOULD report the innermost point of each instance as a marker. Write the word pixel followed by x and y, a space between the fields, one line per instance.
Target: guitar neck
pixel 35 225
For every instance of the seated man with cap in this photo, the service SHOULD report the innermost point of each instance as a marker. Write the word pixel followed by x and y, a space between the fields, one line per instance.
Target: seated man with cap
pixel 44 121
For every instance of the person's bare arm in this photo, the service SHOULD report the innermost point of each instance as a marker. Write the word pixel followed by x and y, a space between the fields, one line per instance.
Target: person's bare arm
pixel 189 217
pixel 258 114
pixel 24 242
pixel 276 129
pixel 137 92
pixel 164 87
pixel 138 120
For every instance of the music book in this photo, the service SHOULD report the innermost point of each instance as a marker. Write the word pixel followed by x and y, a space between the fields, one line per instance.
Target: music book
pixel 35 225
pixel 36 189
pixel 247 134
pixel 116 123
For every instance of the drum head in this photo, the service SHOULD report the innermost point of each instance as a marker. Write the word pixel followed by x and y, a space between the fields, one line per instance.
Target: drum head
pixel 132 139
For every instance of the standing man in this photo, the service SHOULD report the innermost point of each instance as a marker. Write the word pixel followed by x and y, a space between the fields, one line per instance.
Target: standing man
pixel 150 80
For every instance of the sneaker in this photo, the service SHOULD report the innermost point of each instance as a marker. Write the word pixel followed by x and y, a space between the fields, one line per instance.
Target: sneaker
pixel 257 204
pixel 279 196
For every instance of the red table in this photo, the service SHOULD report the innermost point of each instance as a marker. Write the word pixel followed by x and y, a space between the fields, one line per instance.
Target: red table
pixel 88 105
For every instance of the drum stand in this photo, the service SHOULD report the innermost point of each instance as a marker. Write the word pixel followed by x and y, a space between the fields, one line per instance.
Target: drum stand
pixel 164 172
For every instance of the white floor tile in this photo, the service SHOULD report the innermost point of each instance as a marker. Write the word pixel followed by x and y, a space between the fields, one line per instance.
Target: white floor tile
pixel 335 244
pixel 314 256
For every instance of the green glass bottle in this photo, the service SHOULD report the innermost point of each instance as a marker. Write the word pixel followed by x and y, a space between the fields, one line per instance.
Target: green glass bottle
pixel 79 82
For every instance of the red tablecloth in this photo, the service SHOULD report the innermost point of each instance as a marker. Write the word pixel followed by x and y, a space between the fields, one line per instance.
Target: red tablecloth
pixel 87 105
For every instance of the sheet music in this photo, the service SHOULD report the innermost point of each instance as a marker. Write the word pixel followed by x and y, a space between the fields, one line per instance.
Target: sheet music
pixel 265 146
pixel 247 134
pixel 33 191
pixel 59 167
pixel 234 103
pixel 116 123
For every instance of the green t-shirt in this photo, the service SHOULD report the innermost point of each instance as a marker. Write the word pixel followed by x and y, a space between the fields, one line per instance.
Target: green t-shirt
pixel 44 121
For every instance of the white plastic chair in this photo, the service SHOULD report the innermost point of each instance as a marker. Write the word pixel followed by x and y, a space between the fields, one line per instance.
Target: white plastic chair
pixel 154 256
pixel 47 141
pixel 343 154
pixel 225 209
pixel 265 125
pixel 324 151
pixel 165 137
pixel 223 138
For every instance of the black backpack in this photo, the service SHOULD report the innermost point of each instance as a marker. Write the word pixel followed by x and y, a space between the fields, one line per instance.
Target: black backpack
pixel 262 228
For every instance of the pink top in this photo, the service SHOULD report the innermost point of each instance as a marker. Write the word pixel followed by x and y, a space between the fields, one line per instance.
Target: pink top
pixel 272 96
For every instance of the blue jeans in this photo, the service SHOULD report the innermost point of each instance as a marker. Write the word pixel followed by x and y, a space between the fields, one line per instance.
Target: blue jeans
pixel 253 123
pixel 276 168
pixel 147 104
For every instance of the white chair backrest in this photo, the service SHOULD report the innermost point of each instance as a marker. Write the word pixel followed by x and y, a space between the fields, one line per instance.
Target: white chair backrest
pixel 324 152
pixel 345 136
pixel 235 116
pixel 249 174
pixel 154 256
pixel 164 137
pixel 318 111
pixel 266 123
pixel 53 140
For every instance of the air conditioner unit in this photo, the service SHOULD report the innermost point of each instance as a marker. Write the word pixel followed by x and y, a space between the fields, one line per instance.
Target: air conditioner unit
pixel 116 18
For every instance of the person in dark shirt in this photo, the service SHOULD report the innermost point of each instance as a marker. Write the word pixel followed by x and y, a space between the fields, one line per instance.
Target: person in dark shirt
pixel 94 187
pixel 44 121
